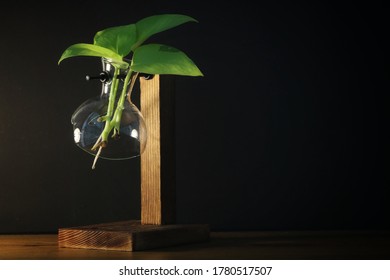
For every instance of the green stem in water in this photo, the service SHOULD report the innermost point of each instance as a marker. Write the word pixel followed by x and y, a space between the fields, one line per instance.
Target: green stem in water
pixel 110 108
pixel 102 140
pixel 111 99
pixel 116 120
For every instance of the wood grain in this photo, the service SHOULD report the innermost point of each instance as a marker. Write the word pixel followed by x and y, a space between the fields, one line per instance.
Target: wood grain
pixel 130 236
pixel 158 197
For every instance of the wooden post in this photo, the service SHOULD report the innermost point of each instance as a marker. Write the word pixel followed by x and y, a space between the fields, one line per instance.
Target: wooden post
pixel 158 196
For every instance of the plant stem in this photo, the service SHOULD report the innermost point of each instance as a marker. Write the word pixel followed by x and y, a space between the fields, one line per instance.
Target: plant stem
pixel 111 105
pixel 110 109
pixel 111 98
pixel 133 79
pixel 120 105
pixel 113 118
pixel 116 119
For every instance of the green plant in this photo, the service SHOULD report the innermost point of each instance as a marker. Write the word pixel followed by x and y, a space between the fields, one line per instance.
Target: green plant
pixel 123 45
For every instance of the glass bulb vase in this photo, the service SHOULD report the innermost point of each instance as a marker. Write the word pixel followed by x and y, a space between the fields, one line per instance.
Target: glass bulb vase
pixel 88 119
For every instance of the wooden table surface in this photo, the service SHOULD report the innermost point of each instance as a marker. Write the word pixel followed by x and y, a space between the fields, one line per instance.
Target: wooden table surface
pixel 286 245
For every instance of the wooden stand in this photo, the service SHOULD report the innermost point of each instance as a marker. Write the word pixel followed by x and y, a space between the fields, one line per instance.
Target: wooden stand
pixel 156 228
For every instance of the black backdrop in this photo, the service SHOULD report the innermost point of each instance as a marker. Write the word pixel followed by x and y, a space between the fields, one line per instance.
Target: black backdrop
pixel 285 131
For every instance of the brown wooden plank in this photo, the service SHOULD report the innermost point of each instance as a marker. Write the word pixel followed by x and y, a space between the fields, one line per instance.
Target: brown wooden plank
pixel 158 196
pixel 130 236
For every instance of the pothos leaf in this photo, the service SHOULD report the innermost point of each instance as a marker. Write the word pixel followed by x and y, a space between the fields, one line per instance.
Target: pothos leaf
pixel 154 24
pixel 161 59
pixel 119 39
pixel 90 50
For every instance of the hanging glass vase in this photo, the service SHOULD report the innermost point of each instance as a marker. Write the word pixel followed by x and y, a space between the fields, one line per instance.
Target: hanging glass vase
pixel 88 119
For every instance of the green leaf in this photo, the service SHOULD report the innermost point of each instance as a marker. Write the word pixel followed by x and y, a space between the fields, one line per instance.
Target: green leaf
pixel 161 59
pixel 118 39
pixel 89 50
pixel 151 25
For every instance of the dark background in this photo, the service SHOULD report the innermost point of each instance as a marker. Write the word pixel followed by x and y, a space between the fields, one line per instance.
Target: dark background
pixel 285 131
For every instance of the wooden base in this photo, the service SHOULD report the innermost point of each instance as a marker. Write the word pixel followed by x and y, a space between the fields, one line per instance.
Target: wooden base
pixel 130 236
